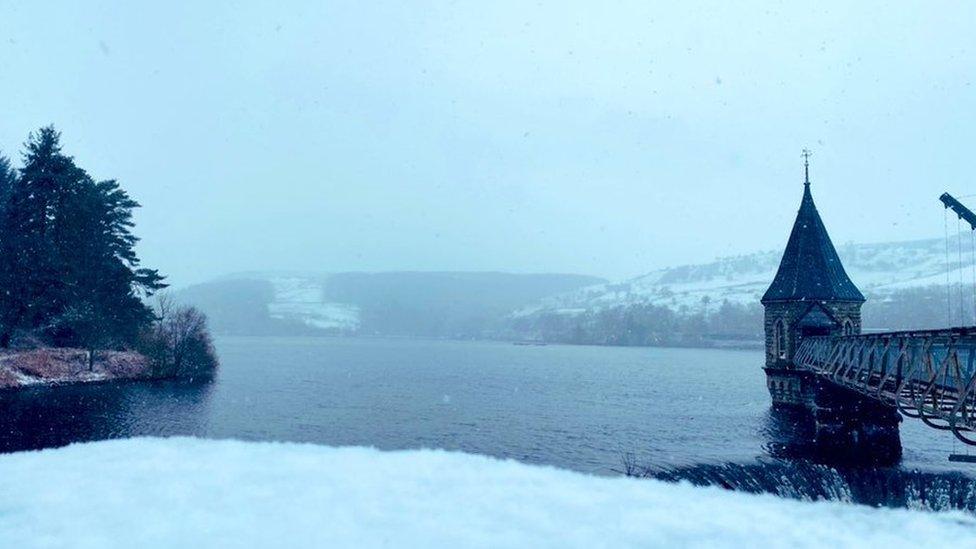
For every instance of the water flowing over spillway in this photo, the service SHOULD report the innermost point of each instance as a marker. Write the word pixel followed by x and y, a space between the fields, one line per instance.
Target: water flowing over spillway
pixel 889 487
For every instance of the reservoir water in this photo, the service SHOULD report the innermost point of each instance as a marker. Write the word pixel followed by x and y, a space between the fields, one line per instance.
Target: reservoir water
pixel 701 415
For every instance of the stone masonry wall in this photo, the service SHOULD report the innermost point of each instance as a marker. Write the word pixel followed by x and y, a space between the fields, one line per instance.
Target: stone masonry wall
pixel 791 312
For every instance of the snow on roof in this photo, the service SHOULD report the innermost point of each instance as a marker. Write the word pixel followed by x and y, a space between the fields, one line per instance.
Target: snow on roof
pixel 182 492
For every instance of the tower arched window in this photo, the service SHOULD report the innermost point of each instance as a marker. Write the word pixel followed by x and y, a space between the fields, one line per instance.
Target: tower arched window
pixel 779 339
pixel 848 328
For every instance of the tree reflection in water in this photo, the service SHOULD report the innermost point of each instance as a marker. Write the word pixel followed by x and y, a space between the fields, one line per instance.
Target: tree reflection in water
pixel 44 417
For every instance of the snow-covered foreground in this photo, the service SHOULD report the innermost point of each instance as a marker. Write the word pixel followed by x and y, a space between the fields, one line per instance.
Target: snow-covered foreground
pixel 196 493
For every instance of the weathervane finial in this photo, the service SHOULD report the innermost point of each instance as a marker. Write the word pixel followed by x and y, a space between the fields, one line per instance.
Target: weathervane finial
pixel 806 166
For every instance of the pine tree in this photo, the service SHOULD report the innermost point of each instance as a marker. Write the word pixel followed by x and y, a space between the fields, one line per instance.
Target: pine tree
pixel 104 281
pixel 67 253
pixel 36 228
pixel 8 179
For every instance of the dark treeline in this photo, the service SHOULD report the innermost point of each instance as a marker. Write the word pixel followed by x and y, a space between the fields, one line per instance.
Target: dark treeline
pixel 69 273
pixel 736 325
pixel 648 325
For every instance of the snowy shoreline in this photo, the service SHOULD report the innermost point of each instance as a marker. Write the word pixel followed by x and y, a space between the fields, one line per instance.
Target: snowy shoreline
pixel 205 493
pixel 66 366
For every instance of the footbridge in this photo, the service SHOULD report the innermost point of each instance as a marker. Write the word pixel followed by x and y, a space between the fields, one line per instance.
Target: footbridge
pixel 928 375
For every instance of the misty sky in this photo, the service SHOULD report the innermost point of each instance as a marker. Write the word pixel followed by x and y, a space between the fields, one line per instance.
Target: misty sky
pixel 597 138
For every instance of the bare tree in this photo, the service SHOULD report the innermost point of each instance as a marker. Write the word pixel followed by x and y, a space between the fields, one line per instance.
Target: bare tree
pixel 631 468
pixel 186 328
pixel 179 343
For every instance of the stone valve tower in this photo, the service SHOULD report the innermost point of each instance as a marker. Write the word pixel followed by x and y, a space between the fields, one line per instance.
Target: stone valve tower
pixel 811 295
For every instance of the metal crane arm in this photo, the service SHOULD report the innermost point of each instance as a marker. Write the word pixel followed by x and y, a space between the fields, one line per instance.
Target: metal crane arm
pixel 963 212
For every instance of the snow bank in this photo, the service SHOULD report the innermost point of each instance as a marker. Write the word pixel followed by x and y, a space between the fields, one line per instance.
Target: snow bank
pixel 197 493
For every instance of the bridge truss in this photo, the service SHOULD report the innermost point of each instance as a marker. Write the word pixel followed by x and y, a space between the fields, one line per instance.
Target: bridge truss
pixel 929 375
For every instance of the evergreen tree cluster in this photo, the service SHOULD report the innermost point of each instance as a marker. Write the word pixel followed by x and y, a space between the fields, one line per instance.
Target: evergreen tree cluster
pixel 69 273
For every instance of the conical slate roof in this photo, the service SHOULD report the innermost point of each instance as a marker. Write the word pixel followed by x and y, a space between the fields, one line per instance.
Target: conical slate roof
pixel 810 269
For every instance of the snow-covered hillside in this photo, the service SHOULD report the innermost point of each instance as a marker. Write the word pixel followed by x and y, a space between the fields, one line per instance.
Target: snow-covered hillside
pixel 877 269
pixel 299 298
pixel 182 492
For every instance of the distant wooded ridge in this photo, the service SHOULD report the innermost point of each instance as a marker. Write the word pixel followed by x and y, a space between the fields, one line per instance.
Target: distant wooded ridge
pixel 422 304
pixel 498 306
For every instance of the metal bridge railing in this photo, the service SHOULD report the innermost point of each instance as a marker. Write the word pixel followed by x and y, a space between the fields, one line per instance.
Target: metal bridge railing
pixel 930 375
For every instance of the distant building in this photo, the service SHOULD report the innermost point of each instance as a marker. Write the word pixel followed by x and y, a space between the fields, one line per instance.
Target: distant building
pixel 810 295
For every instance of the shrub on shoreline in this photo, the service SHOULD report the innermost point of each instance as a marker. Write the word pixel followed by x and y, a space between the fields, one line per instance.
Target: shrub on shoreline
pixel 178 343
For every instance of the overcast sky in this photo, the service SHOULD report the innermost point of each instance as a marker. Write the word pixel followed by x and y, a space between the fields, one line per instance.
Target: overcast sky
pixel 597 138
